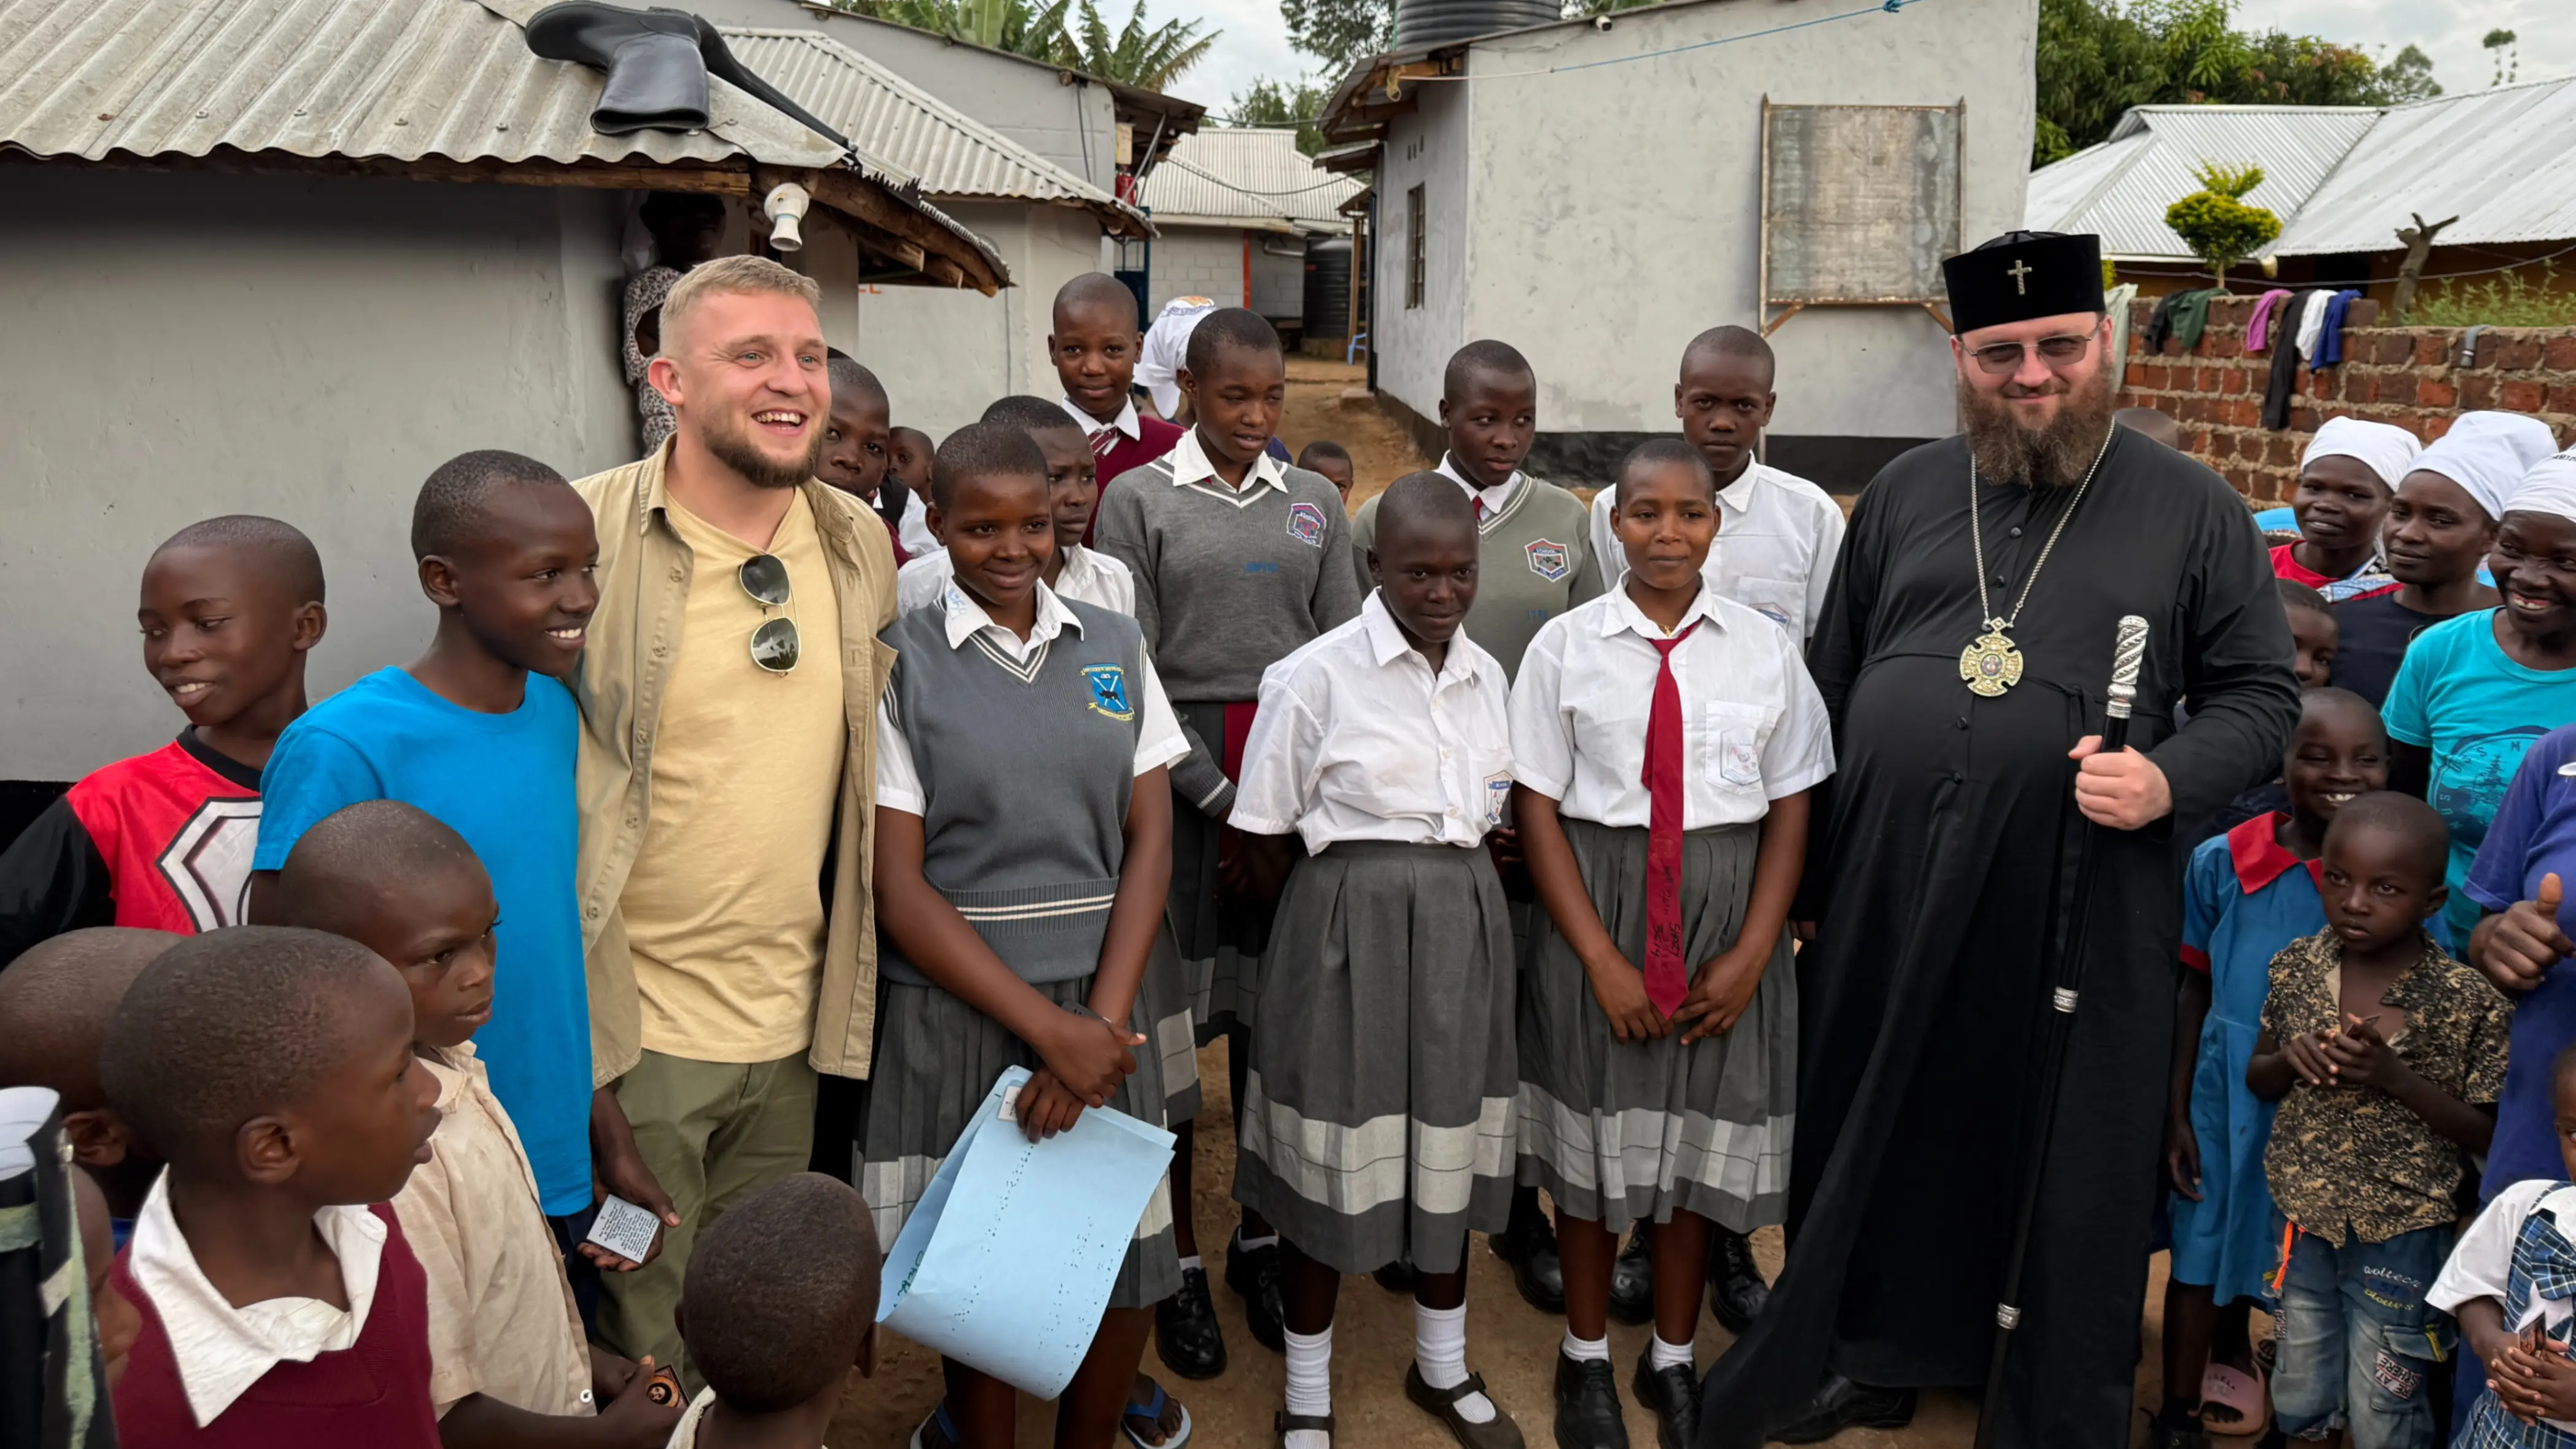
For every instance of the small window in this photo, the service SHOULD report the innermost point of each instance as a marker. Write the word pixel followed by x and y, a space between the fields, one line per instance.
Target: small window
pixel 1416 248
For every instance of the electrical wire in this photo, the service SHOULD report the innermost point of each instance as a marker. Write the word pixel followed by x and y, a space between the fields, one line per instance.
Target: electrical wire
pixel 1204 175
pixel 2427 277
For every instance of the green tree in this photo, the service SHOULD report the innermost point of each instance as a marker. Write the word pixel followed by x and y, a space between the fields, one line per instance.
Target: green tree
pixel 1136 55
pixel 1280 104
pixel 2409 74
pixel 2508 56
pixel 1340 33
pixel 1017 26
pixel 2216 223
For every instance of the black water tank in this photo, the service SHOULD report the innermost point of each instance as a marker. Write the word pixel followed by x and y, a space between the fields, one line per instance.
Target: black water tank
pixel 1328 287
pixel 1436 22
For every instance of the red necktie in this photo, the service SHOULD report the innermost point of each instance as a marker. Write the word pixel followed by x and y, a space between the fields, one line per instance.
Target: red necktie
pixel 1479 501
pixel 1667 979
pixel 1104 440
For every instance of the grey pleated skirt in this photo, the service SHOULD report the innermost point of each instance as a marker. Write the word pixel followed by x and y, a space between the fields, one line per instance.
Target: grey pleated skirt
pixel 1166 1001
pixel 936 1058
pixel 1621 1132
pixel 1376 1123
pixel 1220 939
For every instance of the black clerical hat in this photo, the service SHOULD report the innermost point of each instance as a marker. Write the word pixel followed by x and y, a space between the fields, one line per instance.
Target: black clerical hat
pixel 2021 275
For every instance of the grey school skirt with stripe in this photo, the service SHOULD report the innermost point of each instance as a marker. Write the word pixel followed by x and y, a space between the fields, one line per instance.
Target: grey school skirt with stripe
pixel 1220 939
pixel 1376 1121
pixel 1619 1132
pixel 936 1058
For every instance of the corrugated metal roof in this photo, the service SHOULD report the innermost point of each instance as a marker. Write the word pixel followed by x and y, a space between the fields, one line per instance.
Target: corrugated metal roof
pixel 2120 188
pixel 1254 174
pixel 394 79
pixel 953 154
pixel 2503 161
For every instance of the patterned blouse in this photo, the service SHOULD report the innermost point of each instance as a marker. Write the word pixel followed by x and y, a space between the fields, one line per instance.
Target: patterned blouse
pixel 2355 1155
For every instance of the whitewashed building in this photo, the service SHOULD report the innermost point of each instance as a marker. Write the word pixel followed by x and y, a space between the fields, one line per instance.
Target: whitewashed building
pixel 1234 209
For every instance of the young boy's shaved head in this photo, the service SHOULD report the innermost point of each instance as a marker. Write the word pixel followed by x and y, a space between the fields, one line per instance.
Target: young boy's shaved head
pixel 2405 817
pixel 1483 358
pixel 782 1293
pixel 983 450
pixel 352 857
pixel 1029 414
pixel 285 554
pixel 2151 423
pixel 912 440
pixel 1730 341
pixel 1227 327
pixel 851 378
pixel 448 514
pixel 1323 450
pixel 1667 452
pixel 1424 501
pixel 2342 705
pixel 2296 595
pixel 227 1026
pixel 56 1001
pixel 1097 289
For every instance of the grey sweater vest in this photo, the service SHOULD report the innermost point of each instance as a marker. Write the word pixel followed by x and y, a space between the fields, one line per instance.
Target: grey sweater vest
pixel 1026 769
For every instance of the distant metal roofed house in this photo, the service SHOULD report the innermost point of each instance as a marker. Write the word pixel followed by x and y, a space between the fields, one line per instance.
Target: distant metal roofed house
pixel 1250 177
pixel 438 90
pixel 2119 189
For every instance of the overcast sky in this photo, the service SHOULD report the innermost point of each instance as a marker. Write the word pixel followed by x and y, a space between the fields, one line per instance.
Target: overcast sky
pixel 1255 42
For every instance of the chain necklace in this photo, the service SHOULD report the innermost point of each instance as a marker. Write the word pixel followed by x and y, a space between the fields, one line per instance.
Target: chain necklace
pixel 1991 663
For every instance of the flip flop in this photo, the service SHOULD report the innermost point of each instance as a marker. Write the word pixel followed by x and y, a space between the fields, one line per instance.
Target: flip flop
pixel 2238 1392
pixel 938 1416
pixel 1152 1411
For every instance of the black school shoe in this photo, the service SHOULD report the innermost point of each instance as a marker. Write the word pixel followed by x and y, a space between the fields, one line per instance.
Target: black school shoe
pixel 2175 1431
pixel 1632 1280
pixel 1841 1404
pixel 1587 1405
pixel 1529 1245
pixel 1736 1292
pixel 1672 1396
pixel 1186 1335
pixel 1253 1275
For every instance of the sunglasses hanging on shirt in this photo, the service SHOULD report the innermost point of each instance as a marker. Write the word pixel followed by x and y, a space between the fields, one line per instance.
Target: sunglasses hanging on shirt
pixel 774 645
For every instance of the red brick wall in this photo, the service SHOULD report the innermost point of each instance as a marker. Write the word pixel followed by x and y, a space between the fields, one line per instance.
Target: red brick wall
pixel 2401 375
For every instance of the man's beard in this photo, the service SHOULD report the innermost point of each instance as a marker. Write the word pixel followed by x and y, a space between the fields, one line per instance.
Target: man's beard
pixel 729 439
pixel 2057 456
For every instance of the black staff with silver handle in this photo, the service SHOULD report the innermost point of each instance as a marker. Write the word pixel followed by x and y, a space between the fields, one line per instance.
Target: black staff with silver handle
pixel 2127 653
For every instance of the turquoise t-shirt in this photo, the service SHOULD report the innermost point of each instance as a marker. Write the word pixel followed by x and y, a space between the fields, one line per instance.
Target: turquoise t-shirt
pixel 2459 695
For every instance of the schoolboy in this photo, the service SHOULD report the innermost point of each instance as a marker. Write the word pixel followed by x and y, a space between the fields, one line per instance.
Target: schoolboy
pixel 1383 747
pixel 1333 461
pixel 2150 423
pixel 1095 345
pixel 1777 534
pixel 2440 525
pixel 57 1000
pixel 479 733
pixel 909 452
pixel 2247 894
pixel 2475 691
pixel 2386 1056
pixel 273 1068
pixel 1239 559
pixel 2495 1281
pixel 2312 640
pixel 1534 558
pixel 968 846
pixel 2347 478
pixel 1073 571
pixel 780 1305
pixel 231 607
pixel 508 1363
pixel 854 456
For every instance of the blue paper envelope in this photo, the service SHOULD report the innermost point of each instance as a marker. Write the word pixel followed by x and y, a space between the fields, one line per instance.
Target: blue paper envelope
pixel 1007 1261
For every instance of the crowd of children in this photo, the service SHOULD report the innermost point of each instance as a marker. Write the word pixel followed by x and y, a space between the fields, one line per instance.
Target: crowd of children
pixel 1470 818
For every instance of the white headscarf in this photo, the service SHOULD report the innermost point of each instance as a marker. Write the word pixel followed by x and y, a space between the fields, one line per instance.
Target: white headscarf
pixel 2487 454
pixel 2383 448
pixel 2550 487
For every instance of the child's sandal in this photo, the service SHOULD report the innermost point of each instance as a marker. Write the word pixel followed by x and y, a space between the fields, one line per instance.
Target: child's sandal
pixel 1288 1423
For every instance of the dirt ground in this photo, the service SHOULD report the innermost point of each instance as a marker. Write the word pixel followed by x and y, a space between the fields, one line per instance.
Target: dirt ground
pixel 1512 1344
pixel 1317 408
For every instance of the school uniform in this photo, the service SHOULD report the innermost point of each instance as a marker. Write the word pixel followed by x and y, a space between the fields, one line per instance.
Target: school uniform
pixel 1123 444
pixel 1088 577
pixel 1534 558
pixel 1228 581
pixel 1778 536
pixel 1623 1132
pixel 1376 1120
pixel 2521 1252
pixel 1029 856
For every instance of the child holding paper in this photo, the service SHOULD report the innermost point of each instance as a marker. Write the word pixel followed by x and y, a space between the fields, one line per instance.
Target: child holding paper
pixel 1020 905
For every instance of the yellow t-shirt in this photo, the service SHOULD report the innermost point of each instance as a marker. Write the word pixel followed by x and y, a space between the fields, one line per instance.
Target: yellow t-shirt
pixel 724 908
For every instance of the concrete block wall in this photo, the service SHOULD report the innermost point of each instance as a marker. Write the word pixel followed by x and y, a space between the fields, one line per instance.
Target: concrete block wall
pixel 2410 376
pixel 1196 261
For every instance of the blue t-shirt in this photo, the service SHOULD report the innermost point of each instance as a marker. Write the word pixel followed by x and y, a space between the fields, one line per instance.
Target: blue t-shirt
pixel 2477 710
pixel 505 783
pixel 2533 835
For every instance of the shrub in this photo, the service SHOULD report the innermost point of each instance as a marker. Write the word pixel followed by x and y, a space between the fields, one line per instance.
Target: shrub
pixel 2216 223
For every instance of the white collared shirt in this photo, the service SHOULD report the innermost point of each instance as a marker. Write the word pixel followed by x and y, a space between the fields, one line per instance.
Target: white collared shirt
pixel 221 1350
pixel 1159 740
pixel 1753 726
pixel 1167 350
pixel 1356 739
pixel 1089 577
pixel 1191 469
pixel 2481 1266
pixel 1093 427
pixel 1489 501
pixel 1777 538
pixel 914 531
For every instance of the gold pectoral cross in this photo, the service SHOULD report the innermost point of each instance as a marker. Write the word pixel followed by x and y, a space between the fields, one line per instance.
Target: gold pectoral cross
pixel 1991 663
pixel 2019 271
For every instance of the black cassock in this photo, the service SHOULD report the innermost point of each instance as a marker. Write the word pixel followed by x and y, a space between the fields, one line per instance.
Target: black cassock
pixel 1942 874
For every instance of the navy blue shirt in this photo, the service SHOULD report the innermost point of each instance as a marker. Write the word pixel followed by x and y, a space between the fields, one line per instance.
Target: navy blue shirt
pixel 2533 835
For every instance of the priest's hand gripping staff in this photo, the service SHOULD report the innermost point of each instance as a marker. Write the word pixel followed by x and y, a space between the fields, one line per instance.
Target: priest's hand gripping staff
pixel 2127 652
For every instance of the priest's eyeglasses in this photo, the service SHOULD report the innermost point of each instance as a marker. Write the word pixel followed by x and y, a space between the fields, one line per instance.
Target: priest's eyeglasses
pixel 2002 359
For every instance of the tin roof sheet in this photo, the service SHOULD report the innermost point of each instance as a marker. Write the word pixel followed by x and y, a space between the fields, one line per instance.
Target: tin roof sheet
pixel 2503 161
pixel 1255 174
pixel 2120 188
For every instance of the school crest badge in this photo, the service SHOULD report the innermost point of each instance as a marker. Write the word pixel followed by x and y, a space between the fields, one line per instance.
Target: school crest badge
pixel 1306 524
pixel 1548 560
pixel 1109 690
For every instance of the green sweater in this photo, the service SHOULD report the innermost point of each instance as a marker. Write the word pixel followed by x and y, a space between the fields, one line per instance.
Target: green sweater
pixel 1533 562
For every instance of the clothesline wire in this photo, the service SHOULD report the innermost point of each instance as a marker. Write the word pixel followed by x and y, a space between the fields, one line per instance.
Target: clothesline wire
pixel 2429 277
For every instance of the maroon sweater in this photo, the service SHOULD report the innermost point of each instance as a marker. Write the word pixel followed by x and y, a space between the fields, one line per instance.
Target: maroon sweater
pixel 1156 437
pixel 373 1394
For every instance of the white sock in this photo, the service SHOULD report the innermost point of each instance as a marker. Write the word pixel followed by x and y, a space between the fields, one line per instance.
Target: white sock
pixel 1310 1371
pixel 1669 1355
pixel 1244 1244
pixel 1440 1353
pixel 1596 1350
pixel 1192 1261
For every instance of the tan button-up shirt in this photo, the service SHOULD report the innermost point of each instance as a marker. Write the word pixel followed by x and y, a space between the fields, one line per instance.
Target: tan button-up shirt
pixel 644 573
